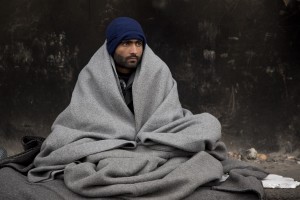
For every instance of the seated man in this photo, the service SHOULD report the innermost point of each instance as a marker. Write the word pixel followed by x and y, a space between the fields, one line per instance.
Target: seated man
pixel 125 135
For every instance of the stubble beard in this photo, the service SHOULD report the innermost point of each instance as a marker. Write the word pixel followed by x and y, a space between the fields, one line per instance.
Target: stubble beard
pixel 125 62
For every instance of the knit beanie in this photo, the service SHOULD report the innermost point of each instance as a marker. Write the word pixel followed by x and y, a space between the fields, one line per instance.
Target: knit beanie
pixel 123 28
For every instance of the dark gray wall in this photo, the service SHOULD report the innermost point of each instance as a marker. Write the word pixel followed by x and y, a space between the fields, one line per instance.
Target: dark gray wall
pixel 238 60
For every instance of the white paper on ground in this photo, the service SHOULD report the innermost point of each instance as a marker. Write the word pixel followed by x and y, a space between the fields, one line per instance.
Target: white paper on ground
pixel 277 181
pixel 273 181
pixel 224 178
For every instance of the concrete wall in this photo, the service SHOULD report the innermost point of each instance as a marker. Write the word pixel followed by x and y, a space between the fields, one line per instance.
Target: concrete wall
pixel 238 60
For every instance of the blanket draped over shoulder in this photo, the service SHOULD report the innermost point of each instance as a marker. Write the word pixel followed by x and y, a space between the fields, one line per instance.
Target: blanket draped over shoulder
pixel 161 152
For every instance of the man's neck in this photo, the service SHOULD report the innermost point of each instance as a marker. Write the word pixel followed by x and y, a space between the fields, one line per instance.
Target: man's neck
pixel 123 70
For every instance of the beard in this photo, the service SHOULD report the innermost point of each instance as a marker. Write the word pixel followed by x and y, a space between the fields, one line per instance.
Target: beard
pixel 129 62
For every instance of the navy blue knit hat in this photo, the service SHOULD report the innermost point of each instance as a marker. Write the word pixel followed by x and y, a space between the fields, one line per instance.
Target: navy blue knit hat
pixel 123 28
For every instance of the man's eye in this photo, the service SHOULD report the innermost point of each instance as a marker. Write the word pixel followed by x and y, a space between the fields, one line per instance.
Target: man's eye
pixel 125 44
pixel 139 44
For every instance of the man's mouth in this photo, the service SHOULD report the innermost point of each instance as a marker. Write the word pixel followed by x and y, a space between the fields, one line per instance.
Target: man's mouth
pixel 132 59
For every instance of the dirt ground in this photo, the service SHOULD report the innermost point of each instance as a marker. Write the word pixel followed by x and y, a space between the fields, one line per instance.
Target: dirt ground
pixel 286 169
pixel 286 165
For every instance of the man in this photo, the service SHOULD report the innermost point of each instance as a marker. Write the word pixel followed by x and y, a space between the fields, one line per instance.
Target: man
pixel 125 135
pixel 126 48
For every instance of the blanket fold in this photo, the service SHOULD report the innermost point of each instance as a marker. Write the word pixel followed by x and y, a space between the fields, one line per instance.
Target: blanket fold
pixel 161 152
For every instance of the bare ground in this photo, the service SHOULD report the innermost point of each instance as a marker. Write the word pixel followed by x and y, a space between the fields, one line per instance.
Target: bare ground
pixel 285 165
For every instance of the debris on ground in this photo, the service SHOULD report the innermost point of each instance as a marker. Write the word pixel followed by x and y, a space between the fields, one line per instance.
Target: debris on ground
pixel 253 155
pixel 262 157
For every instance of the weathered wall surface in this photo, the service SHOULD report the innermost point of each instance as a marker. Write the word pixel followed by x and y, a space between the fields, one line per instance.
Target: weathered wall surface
pixel 239 60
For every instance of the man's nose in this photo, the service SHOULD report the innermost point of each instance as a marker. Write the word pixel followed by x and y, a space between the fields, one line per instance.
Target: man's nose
pixel 133 49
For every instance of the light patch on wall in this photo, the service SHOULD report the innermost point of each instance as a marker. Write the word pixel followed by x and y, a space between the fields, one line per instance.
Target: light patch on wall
pixel 159 4
pixel 286 2
pixel 209 55
pixel 209 30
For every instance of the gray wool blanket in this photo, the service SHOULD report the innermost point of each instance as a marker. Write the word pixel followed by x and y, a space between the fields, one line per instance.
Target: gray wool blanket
pixel 99 149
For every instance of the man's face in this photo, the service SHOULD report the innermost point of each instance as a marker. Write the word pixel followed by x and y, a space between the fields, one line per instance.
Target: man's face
pixel 128 55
